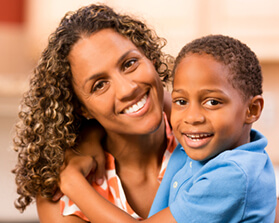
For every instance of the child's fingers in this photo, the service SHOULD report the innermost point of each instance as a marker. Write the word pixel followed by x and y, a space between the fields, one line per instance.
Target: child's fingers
pixel 100 170
pixel 91 177
pixel 58 194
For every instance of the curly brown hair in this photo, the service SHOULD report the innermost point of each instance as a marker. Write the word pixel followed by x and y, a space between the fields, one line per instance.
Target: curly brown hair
pixel 245 73
pixel 49 122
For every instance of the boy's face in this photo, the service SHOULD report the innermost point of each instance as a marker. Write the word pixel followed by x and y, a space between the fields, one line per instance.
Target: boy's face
pixel 208 114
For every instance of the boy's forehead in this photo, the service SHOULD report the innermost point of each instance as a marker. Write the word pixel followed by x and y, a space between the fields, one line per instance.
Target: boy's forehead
pixel 204 69
pixel 198 63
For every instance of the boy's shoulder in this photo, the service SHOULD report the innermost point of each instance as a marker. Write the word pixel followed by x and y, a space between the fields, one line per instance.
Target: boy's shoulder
pixel 250 161
pixel 250 157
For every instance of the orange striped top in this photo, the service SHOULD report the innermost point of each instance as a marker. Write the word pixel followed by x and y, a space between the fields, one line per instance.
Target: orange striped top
pixel 112 189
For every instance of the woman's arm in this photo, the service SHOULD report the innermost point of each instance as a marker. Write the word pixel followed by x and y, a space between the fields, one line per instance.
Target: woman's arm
pixel 94 206
pixel 49 211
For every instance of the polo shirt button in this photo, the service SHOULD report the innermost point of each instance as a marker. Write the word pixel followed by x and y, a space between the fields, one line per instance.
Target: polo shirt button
pixel 190 164
pixel 175 184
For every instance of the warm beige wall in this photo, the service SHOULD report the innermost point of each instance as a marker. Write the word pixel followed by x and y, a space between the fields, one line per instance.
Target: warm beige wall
pixel 269 121
pixel 255 22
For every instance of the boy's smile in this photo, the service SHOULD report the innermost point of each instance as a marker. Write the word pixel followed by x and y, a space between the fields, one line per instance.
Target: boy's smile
pixel 197 139
pixel 208 113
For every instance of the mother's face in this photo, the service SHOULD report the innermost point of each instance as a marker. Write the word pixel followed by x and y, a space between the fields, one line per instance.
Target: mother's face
pixel 116 83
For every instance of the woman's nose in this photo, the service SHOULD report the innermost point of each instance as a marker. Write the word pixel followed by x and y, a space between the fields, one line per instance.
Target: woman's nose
pixel 125 87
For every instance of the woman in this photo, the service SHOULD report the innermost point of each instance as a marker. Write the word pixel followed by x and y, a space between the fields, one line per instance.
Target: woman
pixel 103 66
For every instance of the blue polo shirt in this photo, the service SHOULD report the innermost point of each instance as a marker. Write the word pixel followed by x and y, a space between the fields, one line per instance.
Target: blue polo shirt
pixel 236 186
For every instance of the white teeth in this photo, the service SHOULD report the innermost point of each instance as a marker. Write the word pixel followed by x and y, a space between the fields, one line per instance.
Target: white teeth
pixel 196 137
pixel 137 106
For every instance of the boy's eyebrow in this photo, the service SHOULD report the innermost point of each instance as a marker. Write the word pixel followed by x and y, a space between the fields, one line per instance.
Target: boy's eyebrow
pixel 202 91
pixel 212 90
pixel 178 90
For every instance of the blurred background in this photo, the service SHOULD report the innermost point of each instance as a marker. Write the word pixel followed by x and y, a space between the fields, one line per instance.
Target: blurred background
pixel 26 24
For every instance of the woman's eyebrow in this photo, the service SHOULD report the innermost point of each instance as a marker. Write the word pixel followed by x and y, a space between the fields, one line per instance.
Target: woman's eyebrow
pixel 92 77
pixel 97 75
pixel 125 55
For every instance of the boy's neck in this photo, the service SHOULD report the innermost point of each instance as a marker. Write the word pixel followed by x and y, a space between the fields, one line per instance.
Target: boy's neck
pixel 245 135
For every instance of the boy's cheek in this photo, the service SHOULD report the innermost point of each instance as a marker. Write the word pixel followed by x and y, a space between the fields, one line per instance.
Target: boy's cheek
pixel 172 118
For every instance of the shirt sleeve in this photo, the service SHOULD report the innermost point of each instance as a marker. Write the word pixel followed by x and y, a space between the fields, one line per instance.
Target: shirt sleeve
pixel 217 194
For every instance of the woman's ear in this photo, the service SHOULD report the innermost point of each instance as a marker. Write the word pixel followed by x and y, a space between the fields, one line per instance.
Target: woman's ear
pixel 84 112
pixel 81 109
pixel 254 109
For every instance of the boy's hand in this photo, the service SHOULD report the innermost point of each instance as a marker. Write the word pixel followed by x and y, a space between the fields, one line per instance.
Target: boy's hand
pixel 89 143
pixel 58 194
pixel 74 165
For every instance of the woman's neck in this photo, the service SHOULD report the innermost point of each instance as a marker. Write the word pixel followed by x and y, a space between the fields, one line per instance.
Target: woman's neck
pixel 138 160
pixel 138 151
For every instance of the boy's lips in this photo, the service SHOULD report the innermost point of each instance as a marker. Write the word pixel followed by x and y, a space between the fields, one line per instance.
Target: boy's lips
pixel 196 140
pixel 198 136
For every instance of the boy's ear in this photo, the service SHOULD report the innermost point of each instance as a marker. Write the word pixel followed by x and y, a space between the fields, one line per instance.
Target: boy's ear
pixel 254 109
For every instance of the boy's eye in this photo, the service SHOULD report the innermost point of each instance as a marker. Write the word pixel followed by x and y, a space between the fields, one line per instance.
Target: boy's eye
pixel 99 85
pixel 212 102
pixel 180 102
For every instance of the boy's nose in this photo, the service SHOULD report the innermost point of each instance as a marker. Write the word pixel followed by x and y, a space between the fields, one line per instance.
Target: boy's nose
pixel 193 115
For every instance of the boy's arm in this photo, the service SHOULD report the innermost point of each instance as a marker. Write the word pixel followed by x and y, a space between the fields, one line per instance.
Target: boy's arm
pixel 90 143
pixel 74 184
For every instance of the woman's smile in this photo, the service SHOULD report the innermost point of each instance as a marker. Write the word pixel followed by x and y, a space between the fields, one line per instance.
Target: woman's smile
pixel 137 107
pixel 117 84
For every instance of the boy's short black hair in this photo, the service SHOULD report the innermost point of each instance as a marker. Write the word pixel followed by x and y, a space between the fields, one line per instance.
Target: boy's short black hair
pixel 244 69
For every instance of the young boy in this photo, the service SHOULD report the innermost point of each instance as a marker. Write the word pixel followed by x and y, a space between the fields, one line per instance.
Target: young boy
pixel 220 172
pixel 227 175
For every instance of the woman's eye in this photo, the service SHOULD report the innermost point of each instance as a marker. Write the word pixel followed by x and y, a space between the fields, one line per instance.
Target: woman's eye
pixel 99 86
pixel 129 64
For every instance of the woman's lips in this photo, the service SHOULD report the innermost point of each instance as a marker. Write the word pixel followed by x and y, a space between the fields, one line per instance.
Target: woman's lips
pixel 137 106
